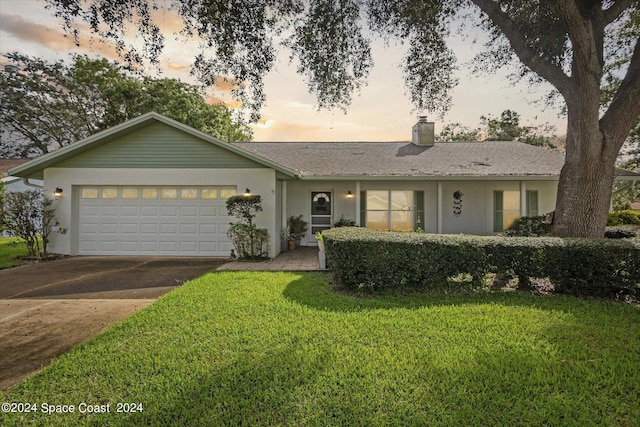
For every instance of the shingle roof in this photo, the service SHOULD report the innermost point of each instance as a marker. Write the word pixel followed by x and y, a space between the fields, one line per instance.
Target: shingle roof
pixel 6 164
pixel 397 159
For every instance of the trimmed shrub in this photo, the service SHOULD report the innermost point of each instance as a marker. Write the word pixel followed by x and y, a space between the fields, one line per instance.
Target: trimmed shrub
pixel 621 232
pixel 249 241
pixel 518 257
pixel 594 266
pixel 530 226
pixel 623 218
pixel 344 222
pixel 362 258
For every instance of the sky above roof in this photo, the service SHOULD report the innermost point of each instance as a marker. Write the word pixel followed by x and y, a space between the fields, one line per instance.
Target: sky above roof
pixel 381 112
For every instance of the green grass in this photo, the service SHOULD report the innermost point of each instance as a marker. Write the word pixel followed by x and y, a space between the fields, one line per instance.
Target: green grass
pixel 11 248
pixel 254 348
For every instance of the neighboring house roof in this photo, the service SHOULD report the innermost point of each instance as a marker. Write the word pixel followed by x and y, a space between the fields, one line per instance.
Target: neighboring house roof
pixel 10 179
pixel 6 164
pixel 404 159
pixel 35 168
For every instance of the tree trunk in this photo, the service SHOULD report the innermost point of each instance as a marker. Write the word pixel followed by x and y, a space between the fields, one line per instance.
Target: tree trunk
pixel 584 197
pixel 586 180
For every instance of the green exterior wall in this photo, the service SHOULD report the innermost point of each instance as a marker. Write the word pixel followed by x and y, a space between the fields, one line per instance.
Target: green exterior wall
pixel 158 146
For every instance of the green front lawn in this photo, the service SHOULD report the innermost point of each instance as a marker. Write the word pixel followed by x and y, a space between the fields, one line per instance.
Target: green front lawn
pixel 11 248
pixel 254 348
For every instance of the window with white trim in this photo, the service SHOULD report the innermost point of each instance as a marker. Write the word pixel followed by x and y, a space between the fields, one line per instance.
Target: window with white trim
pixel 506 209
pixel 532 203
pixel 390 210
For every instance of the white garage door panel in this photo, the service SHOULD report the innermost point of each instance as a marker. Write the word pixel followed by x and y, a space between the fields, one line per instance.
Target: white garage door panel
pixel 124 225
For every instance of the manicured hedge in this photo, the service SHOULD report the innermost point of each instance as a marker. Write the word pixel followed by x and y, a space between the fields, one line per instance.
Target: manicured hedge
pixel 362 258
pixel 623 218
pixel 530 226
pixel 622 232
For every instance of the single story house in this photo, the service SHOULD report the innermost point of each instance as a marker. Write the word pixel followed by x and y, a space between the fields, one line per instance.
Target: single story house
pixel 154 186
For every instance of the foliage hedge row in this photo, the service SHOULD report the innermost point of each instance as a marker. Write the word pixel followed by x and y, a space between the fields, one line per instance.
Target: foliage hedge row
pixel 362 258
pixel 623 218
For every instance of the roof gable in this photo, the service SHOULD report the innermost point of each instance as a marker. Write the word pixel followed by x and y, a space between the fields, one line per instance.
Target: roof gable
pixel 158 146
pixel 149 141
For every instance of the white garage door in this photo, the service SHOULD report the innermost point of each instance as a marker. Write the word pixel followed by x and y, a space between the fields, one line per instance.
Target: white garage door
pixel 188 221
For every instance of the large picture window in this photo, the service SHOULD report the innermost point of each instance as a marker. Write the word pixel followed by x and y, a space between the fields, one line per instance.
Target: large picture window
pixel 390 210
pixel 532 203
pixel 506 209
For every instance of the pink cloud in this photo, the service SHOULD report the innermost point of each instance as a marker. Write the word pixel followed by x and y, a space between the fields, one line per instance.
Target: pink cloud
pixel 34 33
pixel 54 38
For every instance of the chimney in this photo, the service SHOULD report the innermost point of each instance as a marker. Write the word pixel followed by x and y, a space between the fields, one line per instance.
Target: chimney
pixel 423 132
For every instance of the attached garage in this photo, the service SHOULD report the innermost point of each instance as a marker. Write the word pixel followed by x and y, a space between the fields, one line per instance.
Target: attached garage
pixel 154 220
pixel 152 186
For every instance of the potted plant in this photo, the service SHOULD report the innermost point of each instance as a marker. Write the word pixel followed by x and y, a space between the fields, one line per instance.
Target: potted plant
pixel 297 228
pixel 320 240
pixel 285 235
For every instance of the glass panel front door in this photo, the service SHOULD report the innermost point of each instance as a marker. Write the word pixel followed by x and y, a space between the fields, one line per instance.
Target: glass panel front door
pixel 321 211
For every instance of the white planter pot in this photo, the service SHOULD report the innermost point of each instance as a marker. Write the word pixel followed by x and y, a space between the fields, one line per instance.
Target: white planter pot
pixel 322 261
pixel 321 245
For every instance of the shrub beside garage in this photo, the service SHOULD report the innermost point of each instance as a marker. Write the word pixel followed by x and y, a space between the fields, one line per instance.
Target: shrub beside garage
pixel 363 258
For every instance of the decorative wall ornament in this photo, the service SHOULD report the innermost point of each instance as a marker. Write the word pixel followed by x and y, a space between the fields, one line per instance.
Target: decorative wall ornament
pixel 457 202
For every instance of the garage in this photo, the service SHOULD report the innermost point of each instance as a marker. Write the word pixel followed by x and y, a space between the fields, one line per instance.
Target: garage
pixel 153 186
pixel 153 220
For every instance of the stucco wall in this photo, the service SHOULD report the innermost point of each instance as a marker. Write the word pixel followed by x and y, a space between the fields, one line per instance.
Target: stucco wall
pixel 476 216
pixel 299 201
pixel 259 181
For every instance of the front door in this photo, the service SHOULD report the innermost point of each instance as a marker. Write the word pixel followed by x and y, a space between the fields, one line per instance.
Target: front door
pixel 321 212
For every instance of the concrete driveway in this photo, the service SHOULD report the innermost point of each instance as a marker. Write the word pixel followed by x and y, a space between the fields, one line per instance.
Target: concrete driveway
pixel 50 307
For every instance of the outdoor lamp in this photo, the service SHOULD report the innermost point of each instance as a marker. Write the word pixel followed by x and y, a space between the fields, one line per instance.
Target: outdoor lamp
pixel 247 192
pixel 349 194
pixel 58 192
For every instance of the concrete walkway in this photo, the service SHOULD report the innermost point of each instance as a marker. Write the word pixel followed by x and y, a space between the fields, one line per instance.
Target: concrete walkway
pixel 300 259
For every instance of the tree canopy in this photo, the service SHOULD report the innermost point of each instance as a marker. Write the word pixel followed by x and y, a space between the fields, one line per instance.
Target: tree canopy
pixel 575 45
pixel 45 106
pixel 508 128
pixel 505 128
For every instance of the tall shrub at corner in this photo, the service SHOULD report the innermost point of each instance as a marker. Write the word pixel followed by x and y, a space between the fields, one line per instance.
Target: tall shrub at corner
pixel 248 240
pixel 29 215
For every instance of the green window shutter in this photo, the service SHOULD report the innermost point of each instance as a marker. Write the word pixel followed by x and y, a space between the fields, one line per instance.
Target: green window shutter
pixel 363 209
pixel 419 214
pixel 498 211
pixel 532 203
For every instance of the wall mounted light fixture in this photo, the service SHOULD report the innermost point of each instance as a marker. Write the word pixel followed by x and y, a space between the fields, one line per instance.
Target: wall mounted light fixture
pixel 247 192
pixel 58 192
pixel 349 194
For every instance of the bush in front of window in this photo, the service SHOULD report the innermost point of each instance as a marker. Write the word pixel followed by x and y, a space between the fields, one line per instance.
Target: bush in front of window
pixel 623 218
pixel 362 258
pixel 530 226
